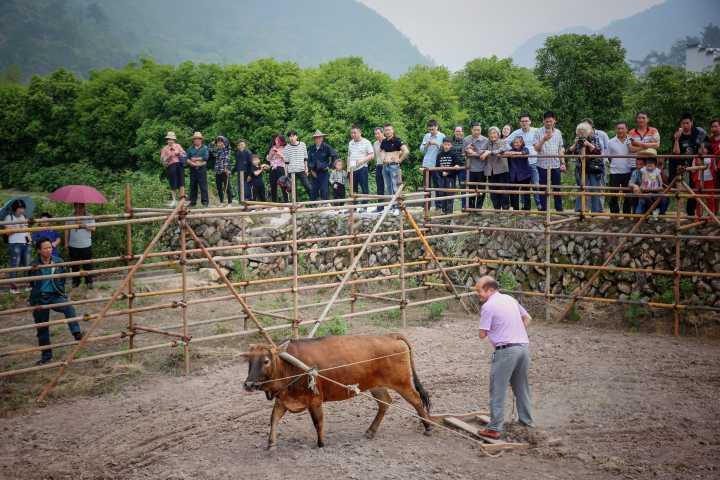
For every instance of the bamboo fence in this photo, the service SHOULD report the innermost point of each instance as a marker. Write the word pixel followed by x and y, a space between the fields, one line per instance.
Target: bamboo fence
pixel 431 271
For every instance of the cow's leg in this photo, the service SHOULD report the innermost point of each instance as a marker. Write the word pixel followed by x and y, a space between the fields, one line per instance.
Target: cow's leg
pixel 413 398
pixel 383 398
pixel 277 414
pixel 316 413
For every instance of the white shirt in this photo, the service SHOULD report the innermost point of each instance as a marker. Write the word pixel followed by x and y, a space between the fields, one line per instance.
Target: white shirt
pixel 357 152
pixel 80 238
pixel 295 156
pixel 21 237
pixel 617 147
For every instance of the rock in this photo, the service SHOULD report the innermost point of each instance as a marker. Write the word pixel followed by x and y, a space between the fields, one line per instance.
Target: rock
pixel 211 275
pixel 624 287
pixel 260 252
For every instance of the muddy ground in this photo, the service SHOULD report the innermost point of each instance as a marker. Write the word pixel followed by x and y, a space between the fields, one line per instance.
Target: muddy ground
pixel 624 406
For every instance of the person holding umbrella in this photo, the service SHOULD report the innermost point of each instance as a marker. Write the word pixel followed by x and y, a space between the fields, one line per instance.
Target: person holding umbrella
pixel 79 243
pixel 173 157
pixel 18 242
pixel 79 240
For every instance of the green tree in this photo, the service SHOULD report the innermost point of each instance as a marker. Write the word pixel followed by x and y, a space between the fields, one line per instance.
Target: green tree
pixel 50 107
pixel 588 77
pixel 424 93
pixel 340 93
pixel 253 101
pixel 493 91
pixel 667 92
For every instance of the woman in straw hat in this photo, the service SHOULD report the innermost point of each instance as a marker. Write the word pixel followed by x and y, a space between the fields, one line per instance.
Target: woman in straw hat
pixel 172 156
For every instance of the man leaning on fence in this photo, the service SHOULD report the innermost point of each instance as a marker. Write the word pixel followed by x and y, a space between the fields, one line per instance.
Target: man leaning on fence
pixel 49 291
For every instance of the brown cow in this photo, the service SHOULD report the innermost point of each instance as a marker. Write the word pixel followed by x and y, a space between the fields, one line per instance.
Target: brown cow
pixel 267 372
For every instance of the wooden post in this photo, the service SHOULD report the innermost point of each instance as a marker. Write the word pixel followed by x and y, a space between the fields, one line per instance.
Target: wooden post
pixel 428 195
pixel 129 254
pixel 351 232
pixel 295 256
pixel 183 303
pixel 353 266
pixel 678 265
pixel 583 183
pixel 244 264
pixel 401 245
pixel 548 273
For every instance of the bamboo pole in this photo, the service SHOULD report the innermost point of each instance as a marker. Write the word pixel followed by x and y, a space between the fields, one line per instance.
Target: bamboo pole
pixel 183 302
pixel 353 237
pixel 548 273
pixel 129 254
pixel 96 323
pixel 678 267
pixel 244 263
pixel 229 285
pixel 295 259
pixel 401 246
pixel 581 290
pixel 354 264
pixel 431 252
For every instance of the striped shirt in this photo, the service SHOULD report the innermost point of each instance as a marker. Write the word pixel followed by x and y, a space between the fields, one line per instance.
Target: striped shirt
pixel 295 156
pixel 357 152
pixel 551 147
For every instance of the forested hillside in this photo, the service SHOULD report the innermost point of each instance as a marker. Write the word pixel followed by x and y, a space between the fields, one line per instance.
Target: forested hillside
pixel 80 35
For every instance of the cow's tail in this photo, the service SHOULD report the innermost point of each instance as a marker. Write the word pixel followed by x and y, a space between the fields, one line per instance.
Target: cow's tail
pixel 424 396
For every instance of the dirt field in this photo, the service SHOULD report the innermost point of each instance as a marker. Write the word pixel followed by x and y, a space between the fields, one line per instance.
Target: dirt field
pixel 624 405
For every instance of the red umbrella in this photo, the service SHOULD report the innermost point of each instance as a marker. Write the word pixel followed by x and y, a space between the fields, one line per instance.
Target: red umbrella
pixel 77 194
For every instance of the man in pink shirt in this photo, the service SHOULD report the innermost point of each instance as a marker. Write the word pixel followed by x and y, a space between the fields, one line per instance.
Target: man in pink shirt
pixel 503 321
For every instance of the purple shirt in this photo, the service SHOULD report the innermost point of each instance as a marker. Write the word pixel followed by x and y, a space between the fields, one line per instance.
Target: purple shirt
pixel 501 316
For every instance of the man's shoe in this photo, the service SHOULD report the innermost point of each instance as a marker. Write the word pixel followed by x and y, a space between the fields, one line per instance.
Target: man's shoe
pixel 487 433
pixel 78 335
pixel 43 361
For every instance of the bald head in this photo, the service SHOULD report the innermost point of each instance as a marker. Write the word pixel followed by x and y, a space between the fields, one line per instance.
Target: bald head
pixel 486 286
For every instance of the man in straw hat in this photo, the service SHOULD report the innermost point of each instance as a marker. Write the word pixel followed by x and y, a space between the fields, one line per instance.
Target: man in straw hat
pixel 197 160
pixel 172 156
pixel 321 157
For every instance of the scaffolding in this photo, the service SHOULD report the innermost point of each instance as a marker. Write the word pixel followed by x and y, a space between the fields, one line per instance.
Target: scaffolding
pixel 361 282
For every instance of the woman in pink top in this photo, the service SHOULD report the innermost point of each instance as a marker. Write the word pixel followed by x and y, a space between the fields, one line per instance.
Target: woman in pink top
pixel 173 156
pixel 276 159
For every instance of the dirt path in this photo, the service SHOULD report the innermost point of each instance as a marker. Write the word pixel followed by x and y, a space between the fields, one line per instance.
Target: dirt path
pixel 625 406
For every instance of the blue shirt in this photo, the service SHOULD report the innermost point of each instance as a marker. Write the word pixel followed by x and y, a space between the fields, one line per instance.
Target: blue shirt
pixel 431 151
pixel 51 235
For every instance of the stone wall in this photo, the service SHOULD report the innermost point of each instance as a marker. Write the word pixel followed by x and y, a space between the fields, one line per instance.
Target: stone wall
pixel 649 253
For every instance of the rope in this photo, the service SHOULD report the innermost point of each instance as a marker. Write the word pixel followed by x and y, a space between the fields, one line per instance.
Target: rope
pixel 353 388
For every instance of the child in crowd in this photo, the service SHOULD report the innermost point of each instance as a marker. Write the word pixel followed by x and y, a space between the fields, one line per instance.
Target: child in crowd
pixel 18 243
pixel 520 172
pixel 648 179
pixel 703 179
pixel 338 179
pixel 49 234
pixel 258 183
pixel 447 157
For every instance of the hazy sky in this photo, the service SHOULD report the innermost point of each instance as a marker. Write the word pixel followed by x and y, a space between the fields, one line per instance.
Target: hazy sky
pixel 455 31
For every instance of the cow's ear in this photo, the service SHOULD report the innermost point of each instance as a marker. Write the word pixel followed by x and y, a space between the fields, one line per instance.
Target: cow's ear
pixel 283 346
pixel 243 354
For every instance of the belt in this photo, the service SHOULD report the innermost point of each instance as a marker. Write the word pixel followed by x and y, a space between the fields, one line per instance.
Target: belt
pixel 508 345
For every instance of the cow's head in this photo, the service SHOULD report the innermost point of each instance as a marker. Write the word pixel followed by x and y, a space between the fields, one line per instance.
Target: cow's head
pixel 262 363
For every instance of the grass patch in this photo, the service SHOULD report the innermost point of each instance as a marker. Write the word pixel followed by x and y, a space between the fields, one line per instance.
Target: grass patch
pixel 507 280
pixel 634 313
pixel 389 319
pixel 436 311
pixel 573 315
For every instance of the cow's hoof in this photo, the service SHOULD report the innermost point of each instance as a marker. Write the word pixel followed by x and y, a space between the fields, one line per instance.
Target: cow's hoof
pixel 271 447
pixel 427 432
pixel 369 435
pixel 320 444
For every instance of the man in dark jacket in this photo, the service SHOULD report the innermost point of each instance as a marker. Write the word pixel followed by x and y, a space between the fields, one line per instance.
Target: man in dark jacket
pixel 49 291
pixel 321 157
pixel 197 157
pixel 243 163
